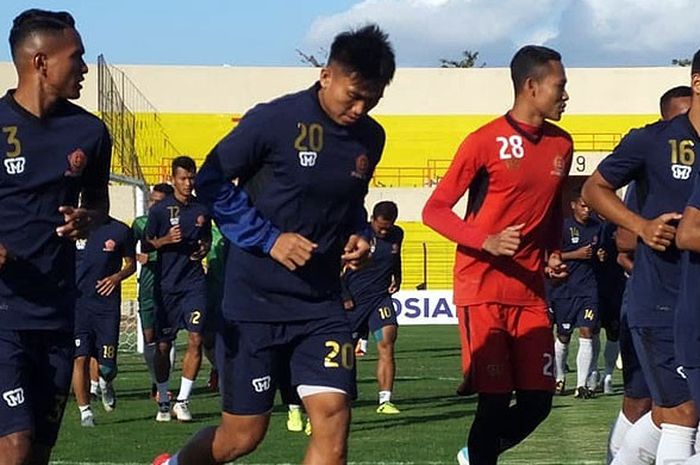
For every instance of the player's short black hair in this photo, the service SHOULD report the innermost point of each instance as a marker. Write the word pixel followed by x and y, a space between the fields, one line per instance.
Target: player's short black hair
pixel 576 194
pixel 163 188
pixel 36 21
pixel 695 66
pixel 367 52
pixel 386 209
pixel 529 62
pixel 670 94
pixel 184 162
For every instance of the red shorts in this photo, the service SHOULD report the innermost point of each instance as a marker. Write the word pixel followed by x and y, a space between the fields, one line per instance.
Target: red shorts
pixel 506 348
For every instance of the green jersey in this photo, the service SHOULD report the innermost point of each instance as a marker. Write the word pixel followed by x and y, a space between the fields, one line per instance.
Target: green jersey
pixel 147 277
pixel 216 260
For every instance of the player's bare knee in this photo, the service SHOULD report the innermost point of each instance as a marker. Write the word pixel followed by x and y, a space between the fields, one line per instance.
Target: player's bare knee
pixel 15 448
pixel 564 338
pixel 194 341
pixel 586 333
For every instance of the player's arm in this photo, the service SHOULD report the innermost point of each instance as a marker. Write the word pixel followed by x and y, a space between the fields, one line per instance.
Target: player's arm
pixel 238 156
pixel 204 242
pixel 107 285
pixel 438 214
pixel 94 196
pixel 345 294
pixel 154 237
pixel 615 171
pixel 582 253
pixel 396 270
pixel 626 261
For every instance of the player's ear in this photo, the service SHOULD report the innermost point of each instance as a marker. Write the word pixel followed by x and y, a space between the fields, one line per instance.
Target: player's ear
pixel 39 62
pixel 326 77
pixel 695 83
pixel 530 87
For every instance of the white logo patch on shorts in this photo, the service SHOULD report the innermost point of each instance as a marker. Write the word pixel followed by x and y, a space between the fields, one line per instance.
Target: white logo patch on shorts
pixel 14 397
pixel 262 384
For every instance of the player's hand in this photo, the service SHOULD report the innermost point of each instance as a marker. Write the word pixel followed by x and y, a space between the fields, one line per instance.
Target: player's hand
pixel 348 304
pixel 142 258
pixel 556 268
pixel 292 250
pixel 174 235
pixel 658 233
pixel 505 242
pixel 583 253
pixel 4 256
pixel 601 254
pixel 356 252
pixel 77 221
pixel 201 252
pixel 107 285
pixel 393 287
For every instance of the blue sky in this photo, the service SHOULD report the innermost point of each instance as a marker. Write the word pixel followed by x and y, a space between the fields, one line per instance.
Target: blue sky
pixel 267 32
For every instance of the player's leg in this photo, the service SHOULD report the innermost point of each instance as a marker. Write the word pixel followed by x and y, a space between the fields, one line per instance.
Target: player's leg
pixel 16 411
pixel 672 423
pixel 693 377
pixel 594 379
pixel 84 348
pixel 166 326
pixel 489 342
pixel 465 387
pixel 247 359
pixel 322 366
pixel 587 321
pixel 636 401
pixel 107 345
pixel 610 320
pixel 383 325
pixel 194 304
pixel 51 378
pixel 94 371
pixel 561 310
pixel 147 316
pixel 531 349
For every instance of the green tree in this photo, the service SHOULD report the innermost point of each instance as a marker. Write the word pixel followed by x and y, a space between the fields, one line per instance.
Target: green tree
pixel 468 60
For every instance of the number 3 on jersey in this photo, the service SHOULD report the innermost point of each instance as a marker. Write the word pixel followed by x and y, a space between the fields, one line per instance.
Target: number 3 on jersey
pixel 511 147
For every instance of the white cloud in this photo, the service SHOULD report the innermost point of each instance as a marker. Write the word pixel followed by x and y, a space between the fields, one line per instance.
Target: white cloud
pixel 588 32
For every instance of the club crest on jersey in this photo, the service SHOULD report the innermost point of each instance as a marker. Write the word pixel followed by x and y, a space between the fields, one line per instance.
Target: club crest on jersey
pixel 80 244
pixel 361 167
pixel 77 161
pixel 307 159
pixel 110 246
pixel 575 235
pixel 558 168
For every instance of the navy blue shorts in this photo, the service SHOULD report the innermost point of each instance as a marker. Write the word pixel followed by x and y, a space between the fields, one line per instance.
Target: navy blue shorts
pixel 635 386
pixel 255 358
pixel 35 376
pixel 180 310
pixel 372 315
pixel 693 378
pixel 576 312
pixel 664 376
pixel 97 335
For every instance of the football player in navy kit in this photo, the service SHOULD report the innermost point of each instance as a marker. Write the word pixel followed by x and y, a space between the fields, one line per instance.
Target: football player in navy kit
pixel 98 310
pixel 53 185
pixel 368 296
pixel 303 164
pixel 179 227
pixel 660 159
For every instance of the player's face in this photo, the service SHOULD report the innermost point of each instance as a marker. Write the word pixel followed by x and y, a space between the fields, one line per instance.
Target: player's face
pixel 345 97
pixel 582 212
pixel 550 91
pixel 183 182
pixel 381 226
pixel 65 68
pixel 677 106
pixel 155 197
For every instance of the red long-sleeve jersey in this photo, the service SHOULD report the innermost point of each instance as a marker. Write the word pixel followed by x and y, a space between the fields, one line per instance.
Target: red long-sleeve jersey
pixel 514 174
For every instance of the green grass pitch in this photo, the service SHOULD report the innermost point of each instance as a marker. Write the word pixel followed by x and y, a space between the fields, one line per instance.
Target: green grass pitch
pixel 430 429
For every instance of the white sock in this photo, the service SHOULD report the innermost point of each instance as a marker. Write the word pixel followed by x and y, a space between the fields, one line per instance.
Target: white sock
pixel 103 383
pixel 384 396
pixel 93 386
pixel 185 389
pixel 163 391
pixel 596 352
pixel 697 443
pixel 363 345
pixel 294 407
pixel 84 410
pixel 584 359
pixel 640 443
pixel 676 444
pixel 611 351
pixel 561 352
pixel 693 460
pixel 149 353
pixel 172 357
pixel 617 434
